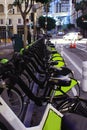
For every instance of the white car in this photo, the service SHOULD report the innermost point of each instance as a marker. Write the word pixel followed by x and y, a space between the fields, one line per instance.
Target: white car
pixel 73 36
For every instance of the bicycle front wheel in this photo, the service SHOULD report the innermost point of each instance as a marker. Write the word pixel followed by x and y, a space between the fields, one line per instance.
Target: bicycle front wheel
pixel 15 100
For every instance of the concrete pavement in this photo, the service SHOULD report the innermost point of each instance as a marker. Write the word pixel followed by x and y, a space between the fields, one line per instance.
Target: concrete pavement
pixel 6 51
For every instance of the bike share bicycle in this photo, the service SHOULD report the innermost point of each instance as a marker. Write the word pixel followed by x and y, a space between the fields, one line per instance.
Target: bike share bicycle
pixel 11 75
pixel 75 104
pixel 56 86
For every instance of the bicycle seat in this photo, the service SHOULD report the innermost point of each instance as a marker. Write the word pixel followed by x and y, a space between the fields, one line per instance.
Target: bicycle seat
pixel 72 121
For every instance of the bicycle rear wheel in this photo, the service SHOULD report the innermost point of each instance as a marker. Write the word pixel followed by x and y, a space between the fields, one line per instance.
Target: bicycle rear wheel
pixel 15 100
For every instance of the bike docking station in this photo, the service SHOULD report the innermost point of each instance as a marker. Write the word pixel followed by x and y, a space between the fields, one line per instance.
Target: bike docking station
pixel 84 76
pixel 51 118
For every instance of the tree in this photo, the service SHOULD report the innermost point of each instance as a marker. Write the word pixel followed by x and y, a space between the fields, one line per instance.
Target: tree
pixel 51 23
pixel 82 21
pixel 47 8
pixel 77 8
pixel 82 5
pixel 24 7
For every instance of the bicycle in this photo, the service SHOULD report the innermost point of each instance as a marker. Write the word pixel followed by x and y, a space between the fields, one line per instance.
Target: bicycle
pixel 39 82
pixel 74 104
pixel 12 95
pixel 13 80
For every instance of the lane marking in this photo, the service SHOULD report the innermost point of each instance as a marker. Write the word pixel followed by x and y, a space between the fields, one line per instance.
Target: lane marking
pixel 74 64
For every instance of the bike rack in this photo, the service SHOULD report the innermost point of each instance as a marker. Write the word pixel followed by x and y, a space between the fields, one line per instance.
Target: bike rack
pixel 51 118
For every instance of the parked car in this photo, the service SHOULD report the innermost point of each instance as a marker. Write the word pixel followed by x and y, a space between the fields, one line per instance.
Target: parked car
pixel 73 36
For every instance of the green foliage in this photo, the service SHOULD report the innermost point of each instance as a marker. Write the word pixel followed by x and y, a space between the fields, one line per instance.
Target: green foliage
pixel 77 6
pixel 18 2
pixel 82 5
pixel 51 23
pixel 82 22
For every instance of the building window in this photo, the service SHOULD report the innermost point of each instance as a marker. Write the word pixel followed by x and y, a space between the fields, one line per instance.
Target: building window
pixel 10 8
pixel 65 8
pixel 19 21
pixel 57 7
pixel 18 10
pixel 1 21
pixel 9 21
pixel 1 8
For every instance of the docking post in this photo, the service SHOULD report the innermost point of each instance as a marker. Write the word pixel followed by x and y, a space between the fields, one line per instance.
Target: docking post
pixel 84 76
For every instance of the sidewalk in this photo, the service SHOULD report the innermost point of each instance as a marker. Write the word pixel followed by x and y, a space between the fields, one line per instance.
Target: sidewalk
pixel 6 51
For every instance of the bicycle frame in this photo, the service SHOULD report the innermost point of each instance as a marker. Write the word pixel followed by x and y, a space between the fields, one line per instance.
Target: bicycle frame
pixel 16 124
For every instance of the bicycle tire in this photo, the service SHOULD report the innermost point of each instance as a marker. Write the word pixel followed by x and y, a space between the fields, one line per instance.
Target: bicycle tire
pixel 66 105
pixel 15 100
pixel 81 107
pixel 2 126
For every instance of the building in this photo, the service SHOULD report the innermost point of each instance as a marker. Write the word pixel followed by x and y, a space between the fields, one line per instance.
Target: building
pixel 63 11
pixel 11 21
pixel 74 14
pixel 60 11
